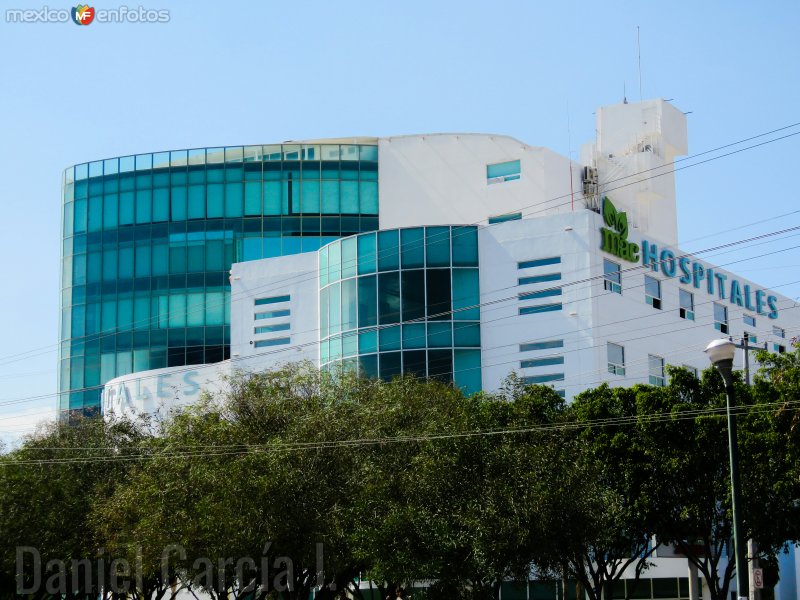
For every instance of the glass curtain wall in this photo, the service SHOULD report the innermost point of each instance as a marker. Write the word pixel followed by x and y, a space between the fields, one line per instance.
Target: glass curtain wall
pixel 403 300
pixel 148 241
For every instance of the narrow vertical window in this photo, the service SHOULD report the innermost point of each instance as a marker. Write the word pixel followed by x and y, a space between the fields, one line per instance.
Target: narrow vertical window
pixel 612 280
pixel 616 359
pixel 686 305
pixel 652 291
pixel 656 367
pixel 720 318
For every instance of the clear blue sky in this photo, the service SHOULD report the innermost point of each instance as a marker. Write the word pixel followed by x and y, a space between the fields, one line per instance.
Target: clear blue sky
pixel 260 72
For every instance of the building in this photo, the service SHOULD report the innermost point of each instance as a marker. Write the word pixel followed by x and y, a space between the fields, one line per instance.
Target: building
pixel 458 256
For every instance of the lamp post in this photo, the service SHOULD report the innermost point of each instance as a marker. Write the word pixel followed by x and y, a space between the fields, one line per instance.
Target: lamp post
pixel 720 353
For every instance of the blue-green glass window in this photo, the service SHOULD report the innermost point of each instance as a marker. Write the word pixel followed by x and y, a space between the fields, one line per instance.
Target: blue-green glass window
pixel 126 258
pixel 389 298
pixel 177 259
pixel 95 213
pixel 160 205
pixel 546 345
pixel 349 258
pixel 195 253
pixel 272 300
pixel 324 352
pixel 272 314
pixel 334 261
pixel 141 312
pixel 178 203
pixel 324 310
pixel 465 246
pixel 349 304
pixel 413 247
pixel 440 364
pixel 109 265
pixel 367 341
pixel 542 308
pixel 144 206
pixel 124 313
pixel 388 250
pixel 311 197
pixel 335 314
pixel 542 362
pixel 440 335
pixel 367 301
pixel 548 293
pixel 272 197
pixel 323 267
pixel 390 365
pixel 414 335
pixel 539 379
pixel 366 254
pixel 467 370
pixel 437 292
pixel 142 261
pixel 368 366
pixel 466 334
pixel 350 344
pixel 349 197
pixel 110 210
pixel 369 153
pixel 81 189
pixel 539 262
pixel 413 289
pixel 505 171
pixel 389 338
pixel 79 225
pixel 273 342
pixel 217 305
pixel 466 293
pixel 195 309
pixel 368 197
pixel 437 246
pixel 252 198
pixel 234 199
pixel 69 214
pixel 215 200
pixel 506 217
pixel 94 270
pixel 330 197
pixel 539 278
pixel 197 202
pixel 216 259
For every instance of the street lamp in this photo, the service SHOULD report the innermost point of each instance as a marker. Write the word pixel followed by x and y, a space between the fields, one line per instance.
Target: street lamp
pixel 720 353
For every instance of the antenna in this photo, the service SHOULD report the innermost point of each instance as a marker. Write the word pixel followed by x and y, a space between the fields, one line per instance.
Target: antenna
pixel 624 94
pixel 639 53
pixel 569 158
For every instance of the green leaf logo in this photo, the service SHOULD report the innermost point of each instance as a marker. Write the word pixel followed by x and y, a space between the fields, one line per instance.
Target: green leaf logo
pixel 616 220
pixel 622 225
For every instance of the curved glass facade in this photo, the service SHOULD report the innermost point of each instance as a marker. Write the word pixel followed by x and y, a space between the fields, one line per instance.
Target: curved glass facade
pixel 403 300
pixel 148 241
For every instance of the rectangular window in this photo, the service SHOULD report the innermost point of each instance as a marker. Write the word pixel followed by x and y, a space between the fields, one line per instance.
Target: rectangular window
pixel 616 358
pixel 686 300
pixel 750 337
pixel 656 369
pixel 539 279
pixel 267 343
pixel 505 171
pixel 541 362
pixel 778 348
pixel 533 379
pixel 272 314
pixel 749 320
pixel 612 279
pixel 539 262
pixel 720 318
pixel 273 300
pixel 541 345
pixel 504 218
pixel 652 291
pixel 271 328
pixel 549 293
pixel 542 308
pixel 779 331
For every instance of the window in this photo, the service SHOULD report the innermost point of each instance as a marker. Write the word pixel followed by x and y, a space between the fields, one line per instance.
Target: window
pixel 749 320
pixel 504 218
pixel 273 300
pixel 616 359
pixel 530 310
pixel 541 345
pixel 540 294
pixel 652 291
pixel 692 370
pixel 539 262
pixel 780 332
pixel 541 362
pixel 656 368
pixel 271 328
pixel 539 278
pixel 687 305
pixel 267 343
pixel 272 314
pixel 778 348
pixel 505 171
pixel 750 337
pixel 612 280
pixel 720 318
pixel 543 378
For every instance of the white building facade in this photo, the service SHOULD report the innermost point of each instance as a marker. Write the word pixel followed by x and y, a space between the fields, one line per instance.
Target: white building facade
pixel 494 257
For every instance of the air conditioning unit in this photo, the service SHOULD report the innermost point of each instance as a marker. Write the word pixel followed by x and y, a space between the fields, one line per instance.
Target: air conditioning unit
pixel 590 182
